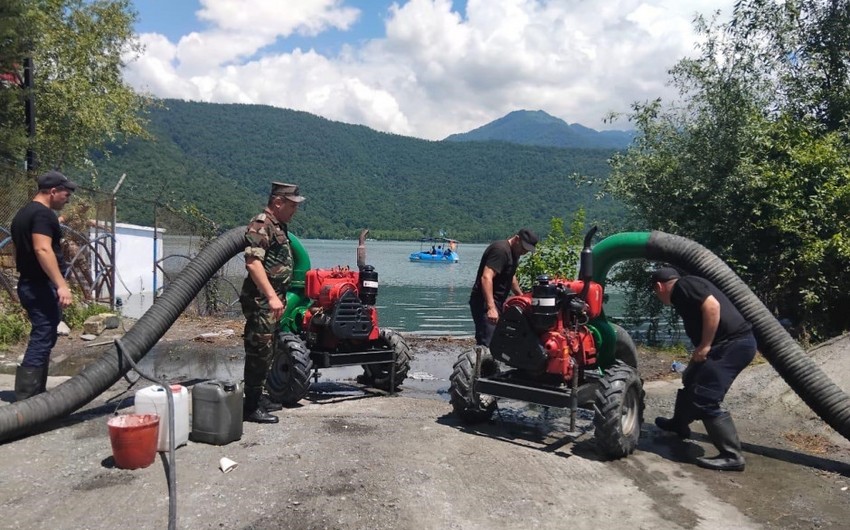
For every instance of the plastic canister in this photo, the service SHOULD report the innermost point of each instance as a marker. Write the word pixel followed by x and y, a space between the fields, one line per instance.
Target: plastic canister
pixel 153 400
pixel 216 412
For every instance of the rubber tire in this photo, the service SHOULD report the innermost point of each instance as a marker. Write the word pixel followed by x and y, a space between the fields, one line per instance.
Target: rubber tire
pixel 468 408
pixel 378 375
pixel 289 375
pixel 618 411
pixel 625 349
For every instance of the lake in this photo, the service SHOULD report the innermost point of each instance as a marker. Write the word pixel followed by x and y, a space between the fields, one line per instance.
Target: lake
pixel 413 297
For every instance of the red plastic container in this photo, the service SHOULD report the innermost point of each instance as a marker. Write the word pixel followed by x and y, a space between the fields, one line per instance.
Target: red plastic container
pixel 133 438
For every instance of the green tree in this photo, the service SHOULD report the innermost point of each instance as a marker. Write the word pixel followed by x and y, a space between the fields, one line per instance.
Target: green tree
pixel 78 48
pixel 12 130
pixel 752 161
pixel 557 255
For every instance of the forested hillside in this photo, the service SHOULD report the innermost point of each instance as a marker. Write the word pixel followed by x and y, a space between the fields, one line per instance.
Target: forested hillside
pixel 222 158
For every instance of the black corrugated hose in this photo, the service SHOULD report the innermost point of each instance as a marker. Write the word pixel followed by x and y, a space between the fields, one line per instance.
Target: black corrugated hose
pixel 776 345
pixel 21 418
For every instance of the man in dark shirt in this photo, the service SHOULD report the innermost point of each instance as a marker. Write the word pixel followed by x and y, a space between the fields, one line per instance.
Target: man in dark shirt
pixel 42 289
pixel 495 280
pixel 723 346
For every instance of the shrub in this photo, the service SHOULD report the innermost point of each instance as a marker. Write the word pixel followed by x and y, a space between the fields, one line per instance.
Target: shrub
pixel 14 327
pixel 77 314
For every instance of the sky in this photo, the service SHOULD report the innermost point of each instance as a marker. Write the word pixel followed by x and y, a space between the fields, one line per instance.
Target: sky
pixel 420 68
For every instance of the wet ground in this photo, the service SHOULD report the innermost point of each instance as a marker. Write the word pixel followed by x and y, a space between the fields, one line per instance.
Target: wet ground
pixel 347 457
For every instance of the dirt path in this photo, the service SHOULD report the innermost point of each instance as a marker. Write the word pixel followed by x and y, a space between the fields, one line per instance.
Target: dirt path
pixel 349 459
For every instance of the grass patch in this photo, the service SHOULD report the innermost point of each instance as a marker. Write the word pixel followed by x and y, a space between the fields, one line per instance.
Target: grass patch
pixel 14 324
pixel 14 327
pixel 674 352
pixel 77 314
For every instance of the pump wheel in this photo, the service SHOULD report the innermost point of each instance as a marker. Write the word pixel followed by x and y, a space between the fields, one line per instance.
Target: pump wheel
pixel 289 375
pixel 378 375
pixel 470 406
pixel 618 411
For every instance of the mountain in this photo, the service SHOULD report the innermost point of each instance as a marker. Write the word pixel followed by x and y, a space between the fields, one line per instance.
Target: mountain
pixel 528 127
pixel 222 157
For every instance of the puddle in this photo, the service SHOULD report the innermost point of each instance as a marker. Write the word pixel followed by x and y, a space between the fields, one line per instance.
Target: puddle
pixel 190 362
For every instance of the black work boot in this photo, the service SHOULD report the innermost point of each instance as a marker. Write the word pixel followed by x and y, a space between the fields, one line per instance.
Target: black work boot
pixel 42 387
pixel 722 433
pixel 252 410
pixel 269 404
pixel 28 381
pixel 681 419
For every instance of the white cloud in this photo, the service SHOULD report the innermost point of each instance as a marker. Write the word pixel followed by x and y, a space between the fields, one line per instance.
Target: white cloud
pixel 435 71
pixel 273 17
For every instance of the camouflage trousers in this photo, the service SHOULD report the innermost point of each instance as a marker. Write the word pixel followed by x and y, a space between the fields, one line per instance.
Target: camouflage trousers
pixel 260 332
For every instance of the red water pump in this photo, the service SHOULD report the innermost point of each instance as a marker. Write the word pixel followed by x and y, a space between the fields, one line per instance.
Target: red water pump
pixel 335 323
pixel 544 331
pixel 548 349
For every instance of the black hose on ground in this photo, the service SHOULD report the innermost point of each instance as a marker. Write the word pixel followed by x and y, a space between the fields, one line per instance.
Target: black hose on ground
pixel 21 417
pixel 776 345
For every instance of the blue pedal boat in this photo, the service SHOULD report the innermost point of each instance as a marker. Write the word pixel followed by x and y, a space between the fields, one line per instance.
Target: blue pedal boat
pixel 436 250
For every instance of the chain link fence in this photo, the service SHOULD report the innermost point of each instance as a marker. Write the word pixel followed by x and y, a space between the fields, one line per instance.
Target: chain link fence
pixel 92 243
pixel 185 232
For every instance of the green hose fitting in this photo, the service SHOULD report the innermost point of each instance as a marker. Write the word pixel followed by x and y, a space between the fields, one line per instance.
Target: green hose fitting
pixel 606 254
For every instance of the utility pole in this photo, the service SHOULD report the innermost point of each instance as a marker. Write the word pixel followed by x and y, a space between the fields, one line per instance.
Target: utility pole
pixel 29 112
pixel 112 257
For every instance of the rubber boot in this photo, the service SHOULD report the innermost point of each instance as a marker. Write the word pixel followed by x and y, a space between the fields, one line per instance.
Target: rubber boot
pixel 43 383
pixel 722 433
pixel 28 381
pixel 252 410
pixel 681 419
pixel 269 404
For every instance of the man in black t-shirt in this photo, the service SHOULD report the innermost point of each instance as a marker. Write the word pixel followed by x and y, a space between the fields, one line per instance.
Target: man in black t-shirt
pixel 723 346
pixel 42 289
pixel 495 280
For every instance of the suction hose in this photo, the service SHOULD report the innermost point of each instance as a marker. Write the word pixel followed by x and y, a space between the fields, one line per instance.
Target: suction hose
pixel 21 417
pixel 792 363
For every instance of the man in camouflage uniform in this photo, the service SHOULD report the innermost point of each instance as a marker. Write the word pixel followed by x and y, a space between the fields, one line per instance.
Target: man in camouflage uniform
pixel 268 259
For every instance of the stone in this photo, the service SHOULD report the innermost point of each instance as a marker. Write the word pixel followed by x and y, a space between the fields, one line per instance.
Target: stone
pixel 63 330
pixel 96 324
pixel 111 320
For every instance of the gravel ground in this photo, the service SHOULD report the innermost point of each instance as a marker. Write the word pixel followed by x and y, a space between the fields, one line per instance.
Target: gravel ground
pixel 349 458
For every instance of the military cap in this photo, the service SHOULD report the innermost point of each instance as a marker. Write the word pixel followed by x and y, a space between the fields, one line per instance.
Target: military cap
pixel 288 191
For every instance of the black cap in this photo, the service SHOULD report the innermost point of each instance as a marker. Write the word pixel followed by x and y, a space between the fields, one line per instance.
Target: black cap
pixel 665 274
pixel 54 179
pixel 528 237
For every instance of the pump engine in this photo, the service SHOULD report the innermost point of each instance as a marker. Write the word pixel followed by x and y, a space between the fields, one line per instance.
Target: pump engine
pixel 545 331
pixel 344 308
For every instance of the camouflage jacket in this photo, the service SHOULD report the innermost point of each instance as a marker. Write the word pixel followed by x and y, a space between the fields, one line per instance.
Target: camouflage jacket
pixel 268 240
